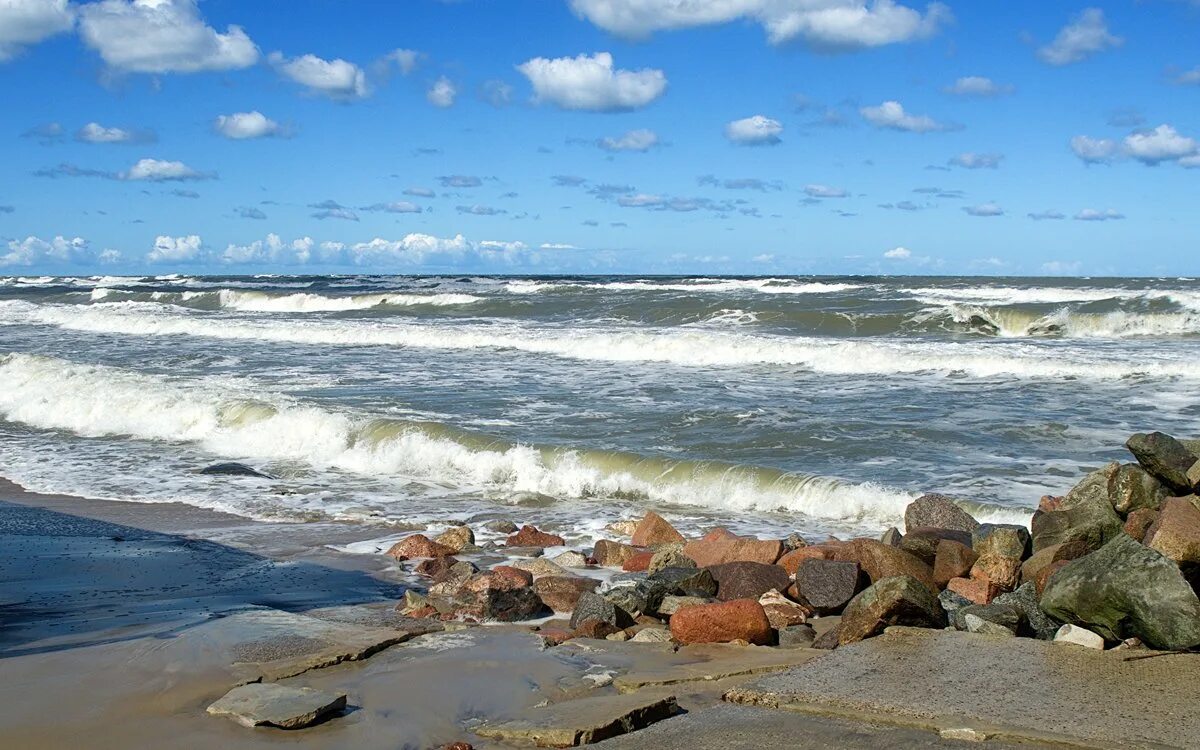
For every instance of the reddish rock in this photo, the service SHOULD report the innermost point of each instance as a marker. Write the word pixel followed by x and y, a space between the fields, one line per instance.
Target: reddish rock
pixel 512 578
pixel 1043 576
pixel 1050 503
pixel 1031 569
pixel 561 593
pixel 1139 522
pixel 653 530
pixel 611 554
pixel 953 560
pixel 723 622
pixel 457 746
pixel 794 559
pixel 720 546
pixel 555 636
pixel 435 566
pixel 529 536
pixel 747 580
pixel 1002 572
pixel 978 590
pixel 421 613
pixel 418 545
pixel 922 542
pixel 1176 532
pixel 638 563
pixel 595 628
pixel 880 561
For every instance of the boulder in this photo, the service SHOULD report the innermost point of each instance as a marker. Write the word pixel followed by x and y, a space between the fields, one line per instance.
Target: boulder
pixel 594 628
pixel 654 530
pixel 636 593
pixel 1139 522
pixel 623 527
pixel 1004 573
pixel 792 560
pixel 500 526
pixel 670 557
pixel 938 511
pixel 1165 458
pixel 501 577
pixel 827 585
pixel 953 560
pixel 651 635
pixel 270 704
pixel 722 622
pixel 923 542
pixel 672 604
pixel 1034 622
pixel 747 580
pixel 1003 539
pixel 1132 488
pixel 1126 589
pixel 978 625
pixel 951 603
pixel 234 469
pixel 1078 636
pixel 561 593
pixel 456 538
pixel 639 563
pixel 796 636
pixel 418 545
pixel 879 561
pixel 720 546
pixel 1001 615
pixel 612 554
pixel 570 559
pixel 1085 514
pixel 781 611
pixel 892 537
pixel 592 606
pixel 1032 568
pixel 501 603
pixel 977 590
pixel 435 566
pixel 539 567
pixel 529 536
pixel 898 600
pixel 794 541
pixel 1176 531
pixel 686 581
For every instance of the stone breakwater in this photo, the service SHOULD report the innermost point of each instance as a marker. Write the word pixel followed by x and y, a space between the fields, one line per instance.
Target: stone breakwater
pixel 1113 563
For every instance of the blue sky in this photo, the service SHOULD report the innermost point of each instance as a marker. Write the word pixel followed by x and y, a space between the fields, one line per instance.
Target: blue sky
pixel 604 136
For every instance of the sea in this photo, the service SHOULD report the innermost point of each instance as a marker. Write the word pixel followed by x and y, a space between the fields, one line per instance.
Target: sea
pixel 818 405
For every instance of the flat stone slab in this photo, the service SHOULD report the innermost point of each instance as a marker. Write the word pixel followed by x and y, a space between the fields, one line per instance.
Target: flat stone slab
pixel 583 721
pixel 1015 688
pixel 719 662
pixel 272 705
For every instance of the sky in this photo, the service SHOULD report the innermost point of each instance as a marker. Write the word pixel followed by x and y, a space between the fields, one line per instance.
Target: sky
pixel 600 136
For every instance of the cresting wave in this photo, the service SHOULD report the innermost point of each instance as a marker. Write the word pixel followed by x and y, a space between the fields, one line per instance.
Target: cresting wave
pixel 704 286
pixel 296 302
pixel 91 401
pixel 1012 322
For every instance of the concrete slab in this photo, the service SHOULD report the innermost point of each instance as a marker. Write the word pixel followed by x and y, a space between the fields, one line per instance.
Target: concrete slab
pixel 1016 688
pixel 583 721
pixel 272 705
pixel 717 662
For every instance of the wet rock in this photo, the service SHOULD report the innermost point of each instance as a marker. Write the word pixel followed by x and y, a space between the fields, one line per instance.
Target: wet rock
pixel 555 636
pixel 796 636
pixel 412 602
pixel 672 604
pixel 1126 589
pixel 612 554
pixel 636 593
pixel 1133 488
pixel 501 526
pixel 898 600
pixel 783 612
pixel 892 537
pixel 455 575
pixel 570 559
pixel 922 542
pixel 561 593
pixel 938 511
pixel 529 536
pixel 582 721
pixel 723 622
pixel 418 545
pixel 503 595
pixel 435 566
pixel 595 607
pixel 1139 522
pixel 747 580
pixel 639 563
pixel 880 561
pixel 1176 531
pixel 270 704
pixel 1079 636
pixel 624 527
pixel 1085 514
pixel 523 551
pixel 720 546
pixel 1002 539
pixel 654 530
pixel 1165 458
pixel 456 538
pixel 670 557
pixel 594 628
pixel 686 581
pixel 827 585
pixel 952 560
pixel 1033 621
pixel 539 567
pixel 233 469
pixel 829 639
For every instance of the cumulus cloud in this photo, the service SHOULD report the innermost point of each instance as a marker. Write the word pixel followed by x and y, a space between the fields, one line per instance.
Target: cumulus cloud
pixel 245 125
pixel 331 209
pixel 425 249
pixel 741 183
pixel 971 160
pixel 1094 214
pixel 407 60
pixel 271 250
pixel 824 191
pixel 26 22
pixel 158 170
pixel 824 24
pixel 978 86
pixel 33 251
pixel 1048 215
pixel 1163 143
pixel 589 82
pixel 94 132
pixel 635 140
pixel 754 131
pixel 337 79
pixel 1094 150
pixel 460 181
pixel 169 249
pixel 442 93
pixel 1086 35
pixel 161 36
pixel 891 115
pixel 984 209
pixel 898 253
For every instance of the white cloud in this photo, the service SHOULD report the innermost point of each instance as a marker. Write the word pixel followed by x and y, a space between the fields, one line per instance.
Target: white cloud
pixel 271 250
pixel 442 93
pixel 1093 214
pixel 174 249
pixel 336 79
pixel 971 160
pixel 396 207
pixel 1190 162
pixel 824 24
pixel 243 125
pixel 406 59
pixel 591 83
pixel 1189 77
pixel 640 200
pixel 94 132
pixel 162 36
pixel 35 251
pixel 898 253
pixel 984 209
pixel 824 191
pixel 417 249
pixel 157 170
pixel 978 86
pixel 891 115
pixel 754 131
pixel 1086 35
pixel 1094 150
pixel 27 22
pixel 1163 143
pixel 635 140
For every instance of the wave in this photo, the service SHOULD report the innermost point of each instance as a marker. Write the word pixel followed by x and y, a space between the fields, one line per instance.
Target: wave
pixel 1011 322
pixel 296 302
pixel 990 295
pixel 686 347
pixel 94 401
pixel 765 286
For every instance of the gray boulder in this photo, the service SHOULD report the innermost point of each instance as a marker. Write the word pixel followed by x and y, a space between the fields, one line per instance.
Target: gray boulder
pixel 1133 488
pixel 1001 615
pixel 1165 458
pixel 1003 539
pixel 635 593
pixel 797 636
pixel 827 585
pixel 1034 622
pixel 592 606
pixel 686 581
pixel 748 580
pixel 939 512
pixel 1086 514
pixel 899 600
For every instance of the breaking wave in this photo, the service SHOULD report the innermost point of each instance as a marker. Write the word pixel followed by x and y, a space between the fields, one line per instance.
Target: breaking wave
pixel 296 302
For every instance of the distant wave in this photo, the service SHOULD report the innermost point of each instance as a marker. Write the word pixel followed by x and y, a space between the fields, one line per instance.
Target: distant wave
pixel 700 285
pixel 295 302
pixel 990 295
pixel 1013 322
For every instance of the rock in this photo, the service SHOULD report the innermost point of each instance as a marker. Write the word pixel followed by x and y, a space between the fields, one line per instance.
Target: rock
pixel 922 542
pixel 672 604
pixel 523 551
pixel 639 563
pixel 233 469
pixel 624 527
pixel 582 721
pixel 456 574
pixel 686 581
pixel 1176 532
pixel 539 567
pixel 418 545
pixel 940 512
pixel 892 537
pixel 1133 488
pixel 651 635
pixel 1033 568
pixel 1079 636
pixel 952 603
pixel 570 559
pixel 1002 573
pixel 1165 458
pixel 435 566
pixel 977 590
pixel 592 606
pixel 899 600
pixel 964 734
pixel 952 560
pixel 270 704
pixel 793 542
pixel 1126 589
pixel 612 554
pixel 1085 514
pixel 620 635
pixel 747 580
pixel 593 628
pixel 1000 615
pixel 792 560
pixel 501 526
pixel 502 577
pixel 781 611
pixel 502 595
pixel 654 530
pixel 529 536
pixel 723 622
pixel 636 593
pixel 829 639
pixel 827 585
pixel 880 561
pixel 976 624
pixel 720 546
pixel 796 636
pixel 413 602
pixel 1003 539
pixel 456 538
pixel 555 636
pixel 670 557
pixel 1139 522
pixel 1033 621
pixel 561 593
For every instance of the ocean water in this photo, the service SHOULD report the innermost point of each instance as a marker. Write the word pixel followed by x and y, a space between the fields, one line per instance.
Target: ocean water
pixel 770 405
